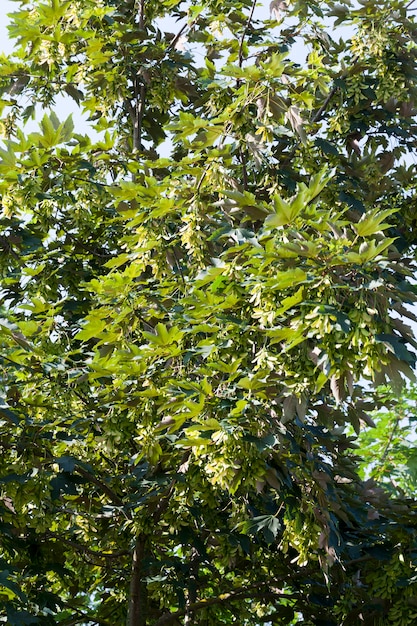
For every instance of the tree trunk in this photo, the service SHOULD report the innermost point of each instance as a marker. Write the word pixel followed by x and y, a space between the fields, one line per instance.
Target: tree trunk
pixel 137 611
pixel 192 587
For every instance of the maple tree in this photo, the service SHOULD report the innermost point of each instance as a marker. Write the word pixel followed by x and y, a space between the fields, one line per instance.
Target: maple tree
pixel 193 295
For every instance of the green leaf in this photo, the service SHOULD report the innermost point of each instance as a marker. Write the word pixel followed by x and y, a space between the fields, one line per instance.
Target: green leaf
pixel 295 276
pixel 326 146
pixel 164 336
pixel 67 463
pixel 372 223
pixel 397 346
pixel 92 329
pixel 10 586
pixel 9 415
pixel 291 301
pixel 269 524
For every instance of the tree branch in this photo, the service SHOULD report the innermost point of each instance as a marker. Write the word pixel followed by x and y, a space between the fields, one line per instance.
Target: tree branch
pixel 242 39
pixel 192 586
pixel 323 107
pixel 164 500
pixel 138 599
pixel 102 486
pixel 140 112
pixel 177 37
pixel 83 618
pixel 244 169
pixel 170 618
pixel 238 83
pixel 85 549
pixel 142 14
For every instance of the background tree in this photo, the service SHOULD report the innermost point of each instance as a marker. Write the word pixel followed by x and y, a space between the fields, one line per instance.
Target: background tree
pixel 190 302
pixel 388 451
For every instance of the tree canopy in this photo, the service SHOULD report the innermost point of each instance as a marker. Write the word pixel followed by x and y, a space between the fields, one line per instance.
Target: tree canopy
pixel 201 294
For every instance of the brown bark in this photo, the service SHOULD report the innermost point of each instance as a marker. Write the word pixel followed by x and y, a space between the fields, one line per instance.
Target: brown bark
pixel 192 587
pixel 137 613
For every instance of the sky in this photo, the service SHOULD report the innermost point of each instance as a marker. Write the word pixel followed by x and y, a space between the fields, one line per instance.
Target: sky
pixel 6 6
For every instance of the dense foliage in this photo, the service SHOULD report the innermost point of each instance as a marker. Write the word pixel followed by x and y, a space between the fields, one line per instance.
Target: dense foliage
pixel 194 293
pixel 388 451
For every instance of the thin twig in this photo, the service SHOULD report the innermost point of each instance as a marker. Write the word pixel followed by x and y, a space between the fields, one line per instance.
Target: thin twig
pixel 333 91
pixel 178 36
pixel 391 437
pixel 242 39
pixel 318 115
pixel 323 107
pixel 140 112
pixel 244 169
